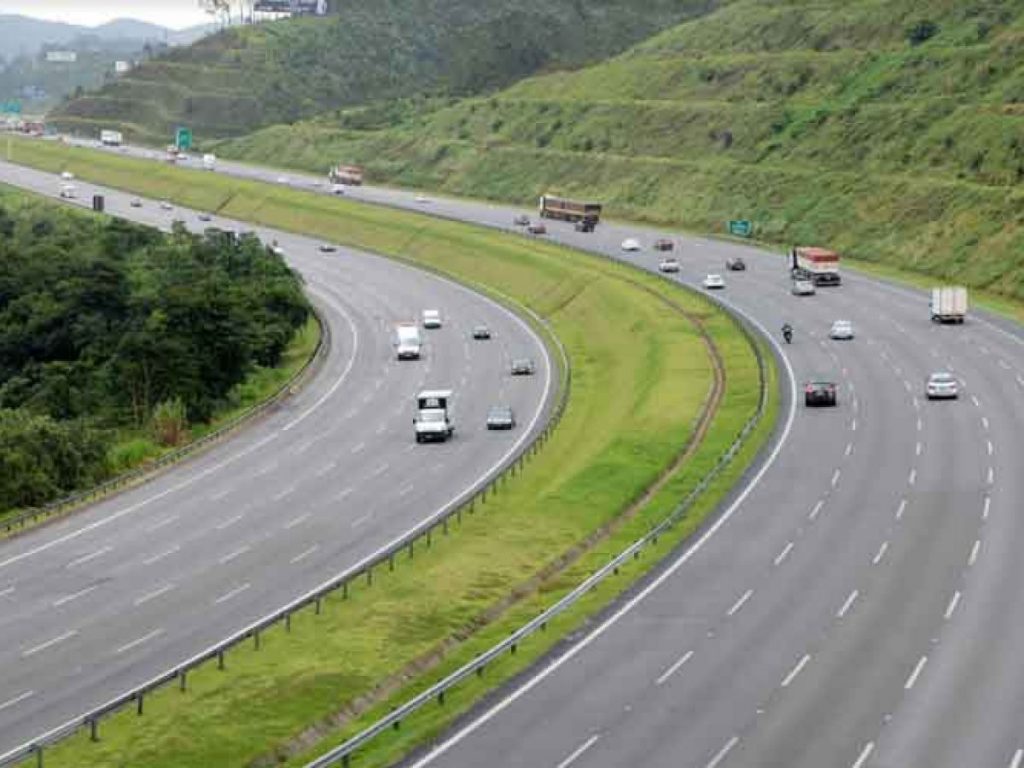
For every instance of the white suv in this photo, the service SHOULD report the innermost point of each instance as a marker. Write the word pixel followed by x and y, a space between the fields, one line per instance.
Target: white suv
pixel 431 318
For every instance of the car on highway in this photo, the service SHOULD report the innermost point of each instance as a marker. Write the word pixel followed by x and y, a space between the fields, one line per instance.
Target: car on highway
pixel 585 225
pixel 166 206
pixel 522 220
pixel 481 332
pixel 663 244
pixel 205 217
pixel 537 228
pixel 668 265
pixel 283 180
pixel 803 288
pixel 67 175
pixel 67 191
pixel 942 386
pixel 422 199
pixel 735 264
pixel 135 203
pixel 820 392
pixel 432 318
pixel 714 282
pixel 328 248
pixel 277 250
pixel 631 245
pixel 841 330
pixel 522 366
pixel 501 417
pixel 337 189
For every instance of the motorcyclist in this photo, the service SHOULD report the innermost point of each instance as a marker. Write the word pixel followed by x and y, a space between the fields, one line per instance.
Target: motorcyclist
pixel 787 332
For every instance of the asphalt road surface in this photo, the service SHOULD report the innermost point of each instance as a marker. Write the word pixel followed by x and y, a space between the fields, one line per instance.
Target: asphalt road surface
pixel 114 595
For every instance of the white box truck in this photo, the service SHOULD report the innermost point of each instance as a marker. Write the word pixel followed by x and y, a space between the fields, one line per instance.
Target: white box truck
pixel 210 162
pixel 109 138
pixel 817 265
pixel 408 345
pixel 949 304
pixel 433 421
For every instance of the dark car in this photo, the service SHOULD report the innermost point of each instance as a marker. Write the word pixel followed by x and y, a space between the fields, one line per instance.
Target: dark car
pixel 501 417
pixel 735 264
pixel 481 332
pixel 136 203
pixel 205 217
pixel 664 244
pixel 327 248
pixel 522 220
pixel 522 366
pixel 585 225
pixel 820 393
pixel 537 228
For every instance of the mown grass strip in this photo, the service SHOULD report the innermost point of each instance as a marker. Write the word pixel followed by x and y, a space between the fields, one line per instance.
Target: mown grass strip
pixel 640 378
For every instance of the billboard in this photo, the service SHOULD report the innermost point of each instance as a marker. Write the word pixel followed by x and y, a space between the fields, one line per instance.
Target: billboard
pixel 316 7
pixel 63 56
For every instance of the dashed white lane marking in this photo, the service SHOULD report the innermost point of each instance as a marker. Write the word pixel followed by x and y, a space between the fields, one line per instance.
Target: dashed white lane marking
pixel 285 493
pixel 796 670
pixel 266 469
pixel 162 555
pixel 974 552
pixel 74 596
pixel 326 468
pixel 17 700
pixel 229 522
pixel 908 386
pixel 835 477
pixel 380 470
pixel 989 447
pixel 739 603
pixel 915 674
pixel 360 520
pixel 91 556
pixel 920 424
pixel 841 613
pixel 985 509
pixel 674 668
pixel 918 448
pixel 579 751
pixel 303 555
pixel 1004 365
pixel 296 521
pixel 785 551
pixel 984 422
pixel 881 553
pixel 991 476
pixel 953 602
pixel 1020 380
pixel 862 760
pixel 853 425
pixel 849 448
pixel 153 595
pixel 816 510
pixel 912 477
pixel 380 429
pixel 162 523
pixel 358 447
pixel 723 752
pixel 49 644
pixel 901 509
pixel 405 491
pixel 6 591
pixel 233 593
pixel 1018 759
pixel 232 555
pixel 343 493
pixel 974 399
pixel 136 643
pixel 219 495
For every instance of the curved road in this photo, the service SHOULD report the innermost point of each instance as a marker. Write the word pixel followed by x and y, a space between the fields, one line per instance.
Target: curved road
pixel 102 601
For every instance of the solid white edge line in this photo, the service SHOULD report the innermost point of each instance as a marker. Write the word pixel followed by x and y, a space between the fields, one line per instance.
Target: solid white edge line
pixel 556 663
pixel 579 751
pixel 788 679
pixel 674 668
pixel 915 674
pixel 862 760
pixel 723 752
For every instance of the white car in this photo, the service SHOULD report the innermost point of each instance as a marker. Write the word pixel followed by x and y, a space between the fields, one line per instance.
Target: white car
pixel 431 318
pixel 166 206
pixel 631 244
pixel 803 288
pixel 668 265
pixel 67 176
pixel 282 180
pixel 841 330
pixel 714 282
pixel 422 199
pixel 67 191
pixel 337 189
pixel 942 385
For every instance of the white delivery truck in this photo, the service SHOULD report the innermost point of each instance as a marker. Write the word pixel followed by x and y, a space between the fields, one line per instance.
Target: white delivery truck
pixel 109 138
pixel 407 341
pixel 433 421
pixel 210 162
pixel 949 304
pixel 817 265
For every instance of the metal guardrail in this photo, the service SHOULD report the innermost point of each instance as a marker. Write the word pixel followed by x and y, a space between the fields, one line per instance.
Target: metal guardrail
pixel 362 570
pixel 343 753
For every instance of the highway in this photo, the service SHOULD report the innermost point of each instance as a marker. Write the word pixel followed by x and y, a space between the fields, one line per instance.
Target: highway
pixel 114 595
pixel 856 606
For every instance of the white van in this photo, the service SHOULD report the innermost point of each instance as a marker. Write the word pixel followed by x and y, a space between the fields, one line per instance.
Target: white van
pixel 431 318
pixel 67 191
pixel 407 341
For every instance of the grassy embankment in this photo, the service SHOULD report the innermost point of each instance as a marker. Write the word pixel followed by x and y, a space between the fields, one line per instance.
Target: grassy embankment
pixel 641 373
pixel 851 124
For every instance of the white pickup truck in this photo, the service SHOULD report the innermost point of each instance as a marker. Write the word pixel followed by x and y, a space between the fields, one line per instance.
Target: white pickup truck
pixel 433 421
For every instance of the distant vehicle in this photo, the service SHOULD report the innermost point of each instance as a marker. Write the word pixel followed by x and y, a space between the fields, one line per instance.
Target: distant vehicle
pixel 109 138
pixel 433 421
pixel 277 250
pixel 422 199
pixel 949 304
pixel 819 265
pixel 820 393
pixel 501 417
pixel 408 344
pixel 668 265
pixel 663 244
pixel 586 224
pixel 166 206
pixel 522 220
pixel 205 217
pixel 350 175
pixel 631 244
pixel 337 189
pixel 735 264
pixel 67 175
pixel 803 288
pixel 551 207
pixel 536 228
pixel 283 180
pixel 328 248
pixel 135 203
pixel 210 162
pixel 714 282
pixel 942 385
pixel 431 318
pixel 67 191
pixel 522 366
pixel 481 332
pixel 841 330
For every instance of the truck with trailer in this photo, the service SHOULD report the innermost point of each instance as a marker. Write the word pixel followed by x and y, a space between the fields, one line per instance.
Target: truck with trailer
pixel 949 304
pixel 433 420
pixel 110 138
pixel 349 175
pixel 408 345
pixel 585 214
pixel 820 266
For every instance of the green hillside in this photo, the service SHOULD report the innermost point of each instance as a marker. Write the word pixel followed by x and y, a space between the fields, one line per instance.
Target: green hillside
pixel 245 78
pixel 892 129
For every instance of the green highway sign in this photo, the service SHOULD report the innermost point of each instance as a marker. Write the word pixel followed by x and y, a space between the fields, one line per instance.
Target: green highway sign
pixel 741 228
pixel 183 138
pixel 12 107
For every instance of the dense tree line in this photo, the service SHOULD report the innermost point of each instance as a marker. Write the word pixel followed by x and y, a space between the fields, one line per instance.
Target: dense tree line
pixel 103 321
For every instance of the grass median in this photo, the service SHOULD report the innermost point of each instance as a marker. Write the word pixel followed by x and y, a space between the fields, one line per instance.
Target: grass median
pixel 642 372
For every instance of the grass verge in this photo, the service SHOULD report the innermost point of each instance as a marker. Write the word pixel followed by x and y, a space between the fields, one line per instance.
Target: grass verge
pixel 641 374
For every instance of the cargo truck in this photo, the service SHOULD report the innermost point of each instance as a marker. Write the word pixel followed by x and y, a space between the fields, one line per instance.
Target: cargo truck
pixel 109 138
pixel 818 265
pixel 586 214
pixel 433 421
pixel 949 304
pixel 350 175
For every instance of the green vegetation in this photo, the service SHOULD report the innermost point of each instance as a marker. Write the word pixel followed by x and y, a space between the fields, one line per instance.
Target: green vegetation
pixel 110 331
pixel 891 130
pixel 245 78
pixel 641 377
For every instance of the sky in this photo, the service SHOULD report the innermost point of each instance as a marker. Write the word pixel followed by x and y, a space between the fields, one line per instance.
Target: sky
pixel 176 14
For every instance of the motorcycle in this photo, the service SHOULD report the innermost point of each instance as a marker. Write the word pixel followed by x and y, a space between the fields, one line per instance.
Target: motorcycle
pixel 787 334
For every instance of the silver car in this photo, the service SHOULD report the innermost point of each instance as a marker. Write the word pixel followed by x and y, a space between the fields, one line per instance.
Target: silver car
pixel 942 386
pixel 803 288
pixel 841 330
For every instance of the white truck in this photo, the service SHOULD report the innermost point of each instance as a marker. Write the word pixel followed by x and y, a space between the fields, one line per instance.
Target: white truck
pixel 949 304
pixel 433 421
pixel 408 345
pixel 818 265
pixel 210 162
pixel 109 138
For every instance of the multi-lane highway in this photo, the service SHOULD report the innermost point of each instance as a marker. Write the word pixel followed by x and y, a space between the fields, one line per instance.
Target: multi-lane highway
pixel 856 605
pixel 112 596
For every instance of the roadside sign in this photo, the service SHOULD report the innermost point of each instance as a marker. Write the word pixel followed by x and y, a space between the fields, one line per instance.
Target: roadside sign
pixel 12 107
pixel 741 228
pixel 183 138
